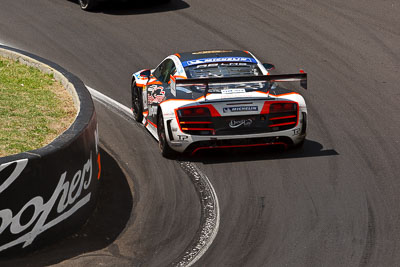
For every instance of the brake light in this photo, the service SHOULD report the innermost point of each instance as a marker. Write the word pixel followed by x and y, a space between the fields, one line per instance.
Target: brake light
pixel 200 111
pixel 282 107
pixel 186 112
pixel 194 112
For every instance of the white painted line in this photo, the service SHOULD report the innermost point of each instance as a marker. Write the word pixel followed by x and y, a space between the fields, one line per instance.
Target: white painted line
pixel 208 198
pixel 109 101
pixel 7 44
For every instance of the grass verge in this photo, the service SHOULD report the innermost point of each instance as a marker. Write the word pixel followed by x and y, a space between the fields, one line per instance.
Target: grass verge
pixel 34 108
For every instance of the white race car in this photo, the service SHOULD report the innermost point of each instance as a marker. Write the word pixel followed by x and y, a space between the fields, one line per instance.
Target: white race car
pixel 90 5
pixel 218 99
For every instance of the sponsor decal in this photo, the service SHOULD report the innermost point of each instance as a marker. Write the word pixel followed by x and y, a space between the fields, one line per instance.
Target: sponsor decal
pixel 221 64
pixel 219 59
pixel 296 131
pixel 156 94
pixel 32 219
pixel 236 95
pixel 64 196
pixel 238 123
pixel 156 99
pixel 152 89
pixel 233 91
pixel 240 109
pixel 182 137
pixel 211 52
pixel 20 166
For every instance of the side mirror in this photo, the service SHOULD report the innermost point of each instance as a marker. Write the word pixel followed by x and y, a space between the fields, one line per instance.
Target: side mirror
pixel 269 66
pixel 145 73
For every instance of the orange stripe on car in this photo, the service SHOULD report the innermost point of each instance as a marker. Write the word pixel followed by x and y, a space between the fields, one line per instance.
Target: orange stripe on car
pixel 293 93
pixel 152 123
pixel 155 82
pixel 99 163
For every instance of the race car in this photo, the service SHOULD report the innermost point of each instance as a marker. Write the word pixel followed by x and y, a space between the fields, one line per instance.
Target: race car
pixel 218 99
pixel 90 5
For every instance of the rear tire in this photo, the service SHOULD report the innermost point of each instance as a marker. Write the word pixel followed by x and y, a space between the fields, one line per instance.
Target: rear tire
pixel 137 102
pixel 166 150
pixel 300 145
pixel 88 5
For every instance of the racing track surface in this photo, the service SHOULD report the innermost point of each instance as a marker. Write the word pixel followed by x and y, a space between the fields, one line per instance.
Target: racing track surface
pixel 336 203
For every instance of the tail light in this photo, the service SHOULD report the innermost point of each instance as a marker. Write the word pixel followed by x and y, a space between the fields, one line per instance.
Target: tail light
pixel 283 115
pixel 195 121
pixel 194 112
pixel 282 107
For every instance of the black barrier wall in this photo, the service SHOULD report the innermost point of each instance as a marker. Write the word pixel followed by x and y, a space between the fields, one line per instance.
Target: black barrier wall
pixel 48 193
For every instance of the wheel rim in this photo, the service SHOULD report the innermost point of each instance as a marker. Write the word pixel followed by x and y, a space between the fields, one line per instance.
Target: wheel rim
pixel 84 3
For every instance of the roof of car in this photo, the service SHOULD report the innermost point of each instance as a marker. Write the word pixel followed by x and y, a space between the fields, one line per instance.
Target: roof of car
pixel 217 53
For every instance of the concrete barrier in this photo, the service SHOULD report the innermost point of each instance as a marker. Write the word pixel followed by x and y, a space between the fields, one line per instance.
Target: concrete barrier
pixel 49 193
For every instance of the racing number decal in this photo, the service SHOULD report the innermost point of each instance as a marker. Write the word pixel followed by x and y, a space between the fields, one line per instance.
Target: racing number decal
pixel 155 94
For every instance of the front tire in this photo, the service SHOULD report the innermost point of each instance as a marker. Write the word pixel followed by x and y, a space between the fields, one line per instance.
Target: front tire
pixel 88 5
pixel 137 103
pixel 166 150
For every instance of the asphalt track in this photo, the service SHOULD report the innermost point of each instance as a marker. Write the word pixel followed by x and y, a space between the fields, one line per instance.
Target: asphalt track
pixel 334 203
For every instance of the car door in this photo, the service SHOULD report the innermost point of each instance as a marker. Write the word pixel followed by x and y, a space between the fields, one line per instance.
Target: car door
pixel 159 90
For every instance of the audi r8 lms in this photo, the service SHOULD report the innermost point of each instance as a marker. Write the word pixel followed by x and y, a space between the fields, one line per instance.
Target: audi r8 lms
pixel 218 99
pixel 90 5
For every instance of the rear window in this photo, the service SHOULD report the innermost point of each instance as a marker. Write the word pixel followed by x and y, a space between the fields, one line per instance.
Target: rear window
pixel 231 69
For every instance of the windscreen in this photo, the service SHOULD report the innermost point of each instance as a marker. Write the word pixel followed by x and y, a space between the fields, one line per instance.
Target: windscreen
pixel 221 69
pixel 231 69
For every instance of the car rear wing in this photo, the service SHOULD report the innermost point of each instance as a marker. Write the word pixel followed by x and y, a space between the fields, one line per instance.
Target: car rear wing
pixel 301 77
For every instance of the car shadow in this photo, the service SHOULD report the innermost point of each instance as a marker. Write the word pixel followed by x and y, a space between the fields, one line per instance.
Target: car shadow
pixel 134 8
pixel 112 212
pixel 215 156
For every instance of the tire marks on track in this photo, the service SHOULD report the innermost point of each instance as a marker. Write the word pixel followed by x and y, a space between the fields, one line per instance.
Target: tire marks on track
pixel 210 212
pixel 371 238
pixel 210 216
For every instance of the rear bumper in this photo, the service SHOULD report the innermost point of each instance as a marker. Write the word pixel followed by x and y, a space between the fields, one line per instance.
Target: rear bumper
pixel 182 142
pixel 239 143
